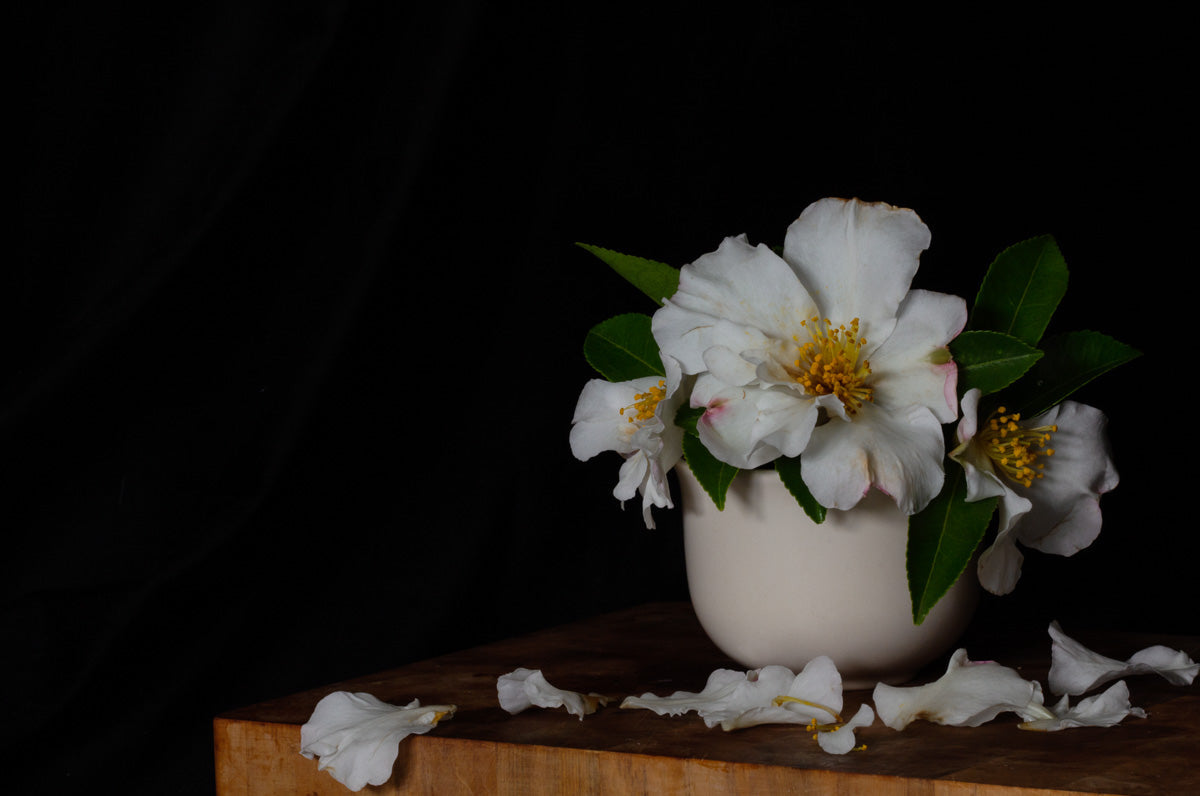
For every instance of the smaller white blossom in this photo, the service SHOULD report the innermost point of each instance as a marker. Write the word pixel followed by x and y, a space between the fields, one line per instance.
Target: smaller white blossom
pixel 357 736
pixel 523 688
pixel 1075 669
pixel 636 419
pixel 969 694
pixel 1101 710
pixel 1049 473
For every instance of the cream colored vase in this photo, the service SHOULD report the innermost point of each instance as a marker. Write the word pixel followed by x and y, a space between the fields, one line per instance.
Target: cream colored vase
pixel 770 586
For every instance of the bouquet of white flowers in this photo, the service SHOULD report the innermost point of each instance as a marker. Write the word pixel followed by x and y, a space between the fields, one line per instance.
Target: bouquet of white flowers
pixel 819 359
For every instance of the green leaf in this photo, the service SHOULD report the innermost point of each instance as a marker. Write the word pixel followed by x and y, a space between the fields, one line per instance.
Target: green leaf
pixel 714 475
pixel 622 348
pixel 941 540
pixel 1072 360
pixel 789 472
pixel 991 361
pixel 1021 290
pixel 657 280
pixel 686 418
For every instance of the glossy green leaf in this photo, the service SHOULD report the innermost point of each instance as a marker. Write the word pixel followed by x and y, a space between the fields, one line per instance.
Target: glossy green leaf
pixel 1021 290
pixel 622 348
pixel 657 280
pixel 1072 360
pixel 941 541
pixel 991 361
pixel 686 418
pixel 789 472
pixel 714 475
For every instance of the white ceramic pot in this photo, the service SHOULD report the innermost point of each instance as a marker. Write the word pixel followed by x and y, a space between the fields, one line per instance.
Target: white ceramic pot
pixel 770 586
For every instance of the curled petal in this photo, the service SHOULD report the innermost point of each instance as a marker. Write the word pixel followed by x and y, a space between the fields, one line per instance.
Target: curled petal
pixel 525 688
pixel 1075 669
pixel 841 740
pixel 1101 710
pixel 967 695
pixel 357 736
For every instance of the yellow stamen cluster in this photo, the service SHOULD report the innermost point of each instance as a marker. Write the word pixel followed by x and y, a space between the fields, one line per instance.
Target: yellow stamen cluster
pixel 1014 449
pixel 827 364
pixel 644 403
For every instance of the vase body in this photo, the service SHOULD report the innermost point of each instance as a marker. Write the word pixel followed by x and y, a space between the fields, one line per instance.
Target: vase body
pixel 770 586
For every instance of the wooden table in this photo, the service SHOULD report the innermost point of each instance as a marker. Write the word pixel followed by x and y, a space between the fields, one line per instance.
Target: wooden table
pixel 661 648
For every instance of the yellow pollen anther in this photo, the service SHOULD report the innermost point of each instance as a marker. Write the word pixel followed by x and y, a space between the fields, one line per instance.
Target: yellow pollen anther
pixel 1015 450
pixel 829 363
pixel 644 403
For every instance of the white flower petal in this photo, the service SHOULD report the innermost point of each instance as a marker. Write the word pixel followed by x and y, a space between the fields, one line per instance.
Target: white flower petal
pixel 1101 710
pixel 815 693
pixel 967 695
pixel 738 297
pixel 841 740
pixel 729 695
pixel 523 688
pixel 999 566
pixel 726 695
pixel 899 453
pixel 857 259
pixel 357 736
pixel 913 366
pixel 1065 517
pixel 1075 669
pixel 750 426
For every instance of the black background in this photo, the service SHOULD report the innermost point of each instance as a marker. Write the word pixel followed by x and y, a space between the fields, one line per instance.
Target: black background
pixel 293 327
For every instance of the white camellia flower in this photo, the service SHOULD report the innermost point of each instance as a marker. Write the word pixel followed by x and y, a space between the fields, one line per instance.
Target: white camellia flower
pixel 770 695
pixel 824 351
pixel 969 694
pixel 637 420
pixel 1075 669
pixel 357 736
pixel 1049 473
pixel 523 688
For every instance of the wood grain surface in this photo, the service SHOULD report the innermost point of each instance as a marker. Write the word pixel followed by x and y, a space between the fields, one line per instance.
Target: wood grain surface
pixel 660 648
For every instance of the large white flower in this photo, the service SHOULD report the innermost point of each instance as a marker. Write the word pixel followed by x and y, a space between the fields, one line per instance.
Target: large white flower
pixel 1049 473
pixel 636 419
pixel 824 351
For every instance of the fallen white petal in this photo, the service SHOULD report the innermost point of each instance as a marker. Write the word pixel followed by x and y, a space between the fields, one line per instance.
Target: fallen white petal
pixel 740 699
pixel 967 695
pixel 357 736
pixel 1075 669
pixel 814 694
pixel 526 688
pixel 841 740
pixel 1101 710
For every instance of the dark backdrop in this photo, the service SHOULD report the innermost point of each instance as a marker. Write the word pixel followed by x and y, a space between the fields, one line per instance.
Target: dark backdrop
pixel 293 323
